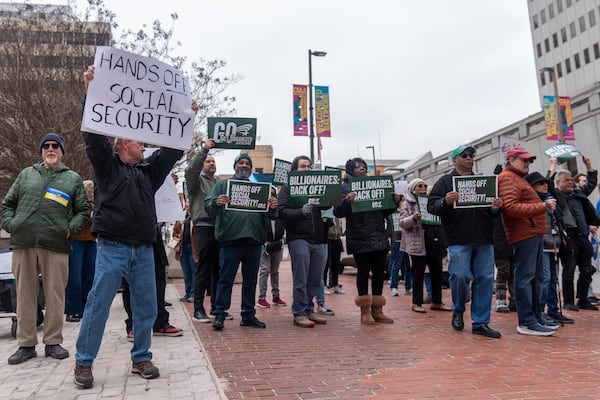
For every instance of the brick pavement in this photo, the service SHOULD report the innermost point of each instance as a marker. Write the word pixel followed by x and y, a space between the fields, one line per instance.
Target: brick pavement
pixel 420 356
pixel 184 371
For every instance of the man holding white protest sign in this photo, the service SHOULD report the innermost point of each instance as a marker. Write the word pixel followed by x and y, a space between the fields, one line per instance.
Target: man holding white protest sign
pixel 241 233
pixel 469 236
pixel 124 223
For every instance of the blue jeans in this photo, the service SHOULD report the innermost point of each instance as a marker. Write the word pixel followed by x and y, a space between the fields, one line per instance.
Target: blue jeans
pixel 551 293
pixel 427 280
pixel 529 277
pixel 230 258
pixel 308 261
pixel 472 263
pixel 81 275
pixel 188 267
pixel 399 261
pixel 136 264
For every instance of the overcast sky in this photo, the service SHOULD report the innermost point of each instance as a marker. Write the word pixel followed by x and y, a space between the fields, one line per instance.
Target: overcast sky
pixel 405 76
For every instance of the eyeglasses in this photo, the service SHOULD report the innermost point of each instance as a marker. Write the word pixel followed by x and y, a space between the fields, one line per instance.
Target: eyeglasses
pixel 422 185
pixel 46 146
pixel 465 155
pixel 526 160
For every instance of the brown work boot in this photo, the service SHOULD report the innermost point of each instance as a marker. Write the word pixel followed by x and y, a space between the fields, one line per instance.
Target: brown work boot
pixel 82 377
pixel 146 369
pixel 377 310
pixel 364 302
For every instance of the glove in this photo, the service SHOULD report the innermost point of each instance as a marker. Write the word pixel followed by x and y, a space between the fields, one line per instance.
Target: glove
pixel 307 209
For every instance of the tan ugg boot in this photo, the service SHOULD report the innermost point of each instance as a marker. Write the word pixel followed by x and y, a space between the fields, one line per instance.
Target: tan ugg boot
pixel 364 302
pixel 377 310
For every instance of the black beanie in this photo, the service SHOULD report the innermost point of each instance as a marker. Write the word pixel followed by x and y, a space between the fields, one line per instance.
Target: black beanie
pixel 56 137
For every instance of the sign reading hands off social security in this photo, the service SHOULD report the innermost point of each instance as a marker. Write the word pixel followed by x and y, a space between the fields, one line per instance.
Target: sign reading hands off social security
pixel 233 133
pixel 138 98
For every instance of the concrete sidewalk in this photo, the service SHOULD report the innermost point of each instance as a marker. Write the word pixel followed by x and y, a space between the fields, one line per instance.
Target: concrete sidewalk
pixel 185 372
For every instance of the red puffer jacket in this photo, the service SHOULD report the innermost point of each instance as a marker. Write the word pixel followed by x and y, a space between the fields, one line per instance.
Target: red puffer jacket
pixel 523 212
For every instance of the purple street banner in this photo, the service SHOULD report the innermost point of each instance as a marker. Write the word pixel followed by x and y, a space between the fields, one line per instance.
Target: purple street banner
pixel 300 119
pixel 322 111
pixel 566 118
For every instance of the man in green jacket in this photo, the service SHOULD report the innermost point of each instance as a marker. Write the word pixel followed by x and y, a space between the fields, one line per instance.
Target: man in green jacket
pixel 45 207
pixel 241 235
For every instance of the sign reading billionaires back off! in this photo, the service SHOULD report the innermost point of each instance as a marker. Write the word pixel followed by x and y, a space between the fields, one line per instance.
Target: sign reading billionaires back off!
pixel 232 133
pixel 475 190
pixel 320 188
pixel 248 196
pixel 372 193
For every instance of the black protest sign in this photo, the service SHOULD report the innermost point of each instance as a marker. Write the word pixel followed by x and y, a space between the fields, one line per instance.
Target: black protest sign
pixel 320 188
pixel 138 98
pixel 475 190
pixel 372 193
pixel 248 196
pixel 233 133
pixel 281 169
pixel 426 217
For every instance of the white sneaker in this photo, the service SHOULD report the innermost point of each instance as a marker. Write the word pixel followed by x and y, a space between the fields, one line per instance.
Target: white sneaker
pixel 338 289
pixel 534 330
pixel 327 291
pixel 502 306
pixel 394 292
pixel 323 309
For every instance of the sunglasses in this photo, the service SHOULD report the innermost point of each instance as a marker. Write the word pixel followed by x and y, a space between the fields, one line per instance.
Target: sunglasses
pixel 421 185
pixel 526 160
pixel 46 146
pixel 466 155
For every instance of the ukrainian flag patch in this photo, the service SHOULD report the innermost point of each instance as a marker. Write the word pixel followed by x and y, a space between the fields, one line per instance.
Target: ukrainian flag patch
pixel 57 196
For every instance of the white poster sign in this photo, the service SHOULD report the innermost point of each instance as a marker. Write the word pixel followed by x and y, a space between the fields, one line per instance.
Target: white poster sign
pixel 138 98
pixel 506 144
pixel 166 198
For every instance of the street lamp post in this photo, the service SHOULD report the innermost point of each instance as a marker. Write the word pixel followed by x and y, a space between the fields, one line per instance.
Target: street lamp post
pixel 572 163
pixel 310 101
pixel 374 162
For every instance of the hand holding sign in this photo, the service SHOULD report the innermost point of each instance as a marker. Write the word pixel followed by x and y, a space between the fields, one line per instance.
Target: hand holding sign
pixel 222 200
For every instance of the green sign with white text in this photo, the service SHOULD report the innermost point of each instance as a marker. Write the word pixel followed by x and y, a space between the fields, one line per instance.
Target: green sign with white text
pixel 372 193
pixel 320 188
pixel 475 190
pixel 233 133
pixel 248 196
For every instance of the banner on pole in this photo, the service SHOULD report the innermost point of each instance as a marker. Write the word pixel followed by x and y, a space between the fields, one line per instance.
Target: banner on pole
pixel 300 119
pixel 138 98
pixel 566 118
pixel 322 111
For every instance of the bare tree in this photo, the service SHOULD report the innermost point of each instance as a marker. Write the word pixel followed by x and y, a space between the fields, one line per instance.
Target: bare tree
pixel 44 51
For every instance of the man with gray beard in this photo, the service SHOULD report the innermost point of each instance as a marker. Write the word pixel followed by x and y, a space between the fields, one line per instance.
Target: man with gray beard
pixel 241 235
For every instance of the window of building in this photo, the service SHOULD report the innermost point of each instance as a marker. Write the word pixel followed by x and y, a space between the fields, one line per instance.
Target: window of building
pixel 539 49
pixel 551 11
pixel 596 51
pixel 577 61
pixel 563 34
pixel 581 24
pixel 586 56
pixel 569 3
pixel 592 18
pixel 547 45
pixel 559 70
pixel 573 29
pixel 535 22
pixel 259 170
pixel 555 40
pixel 543 16
pixel 559 6
pixel 568 65
pixel 543 78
